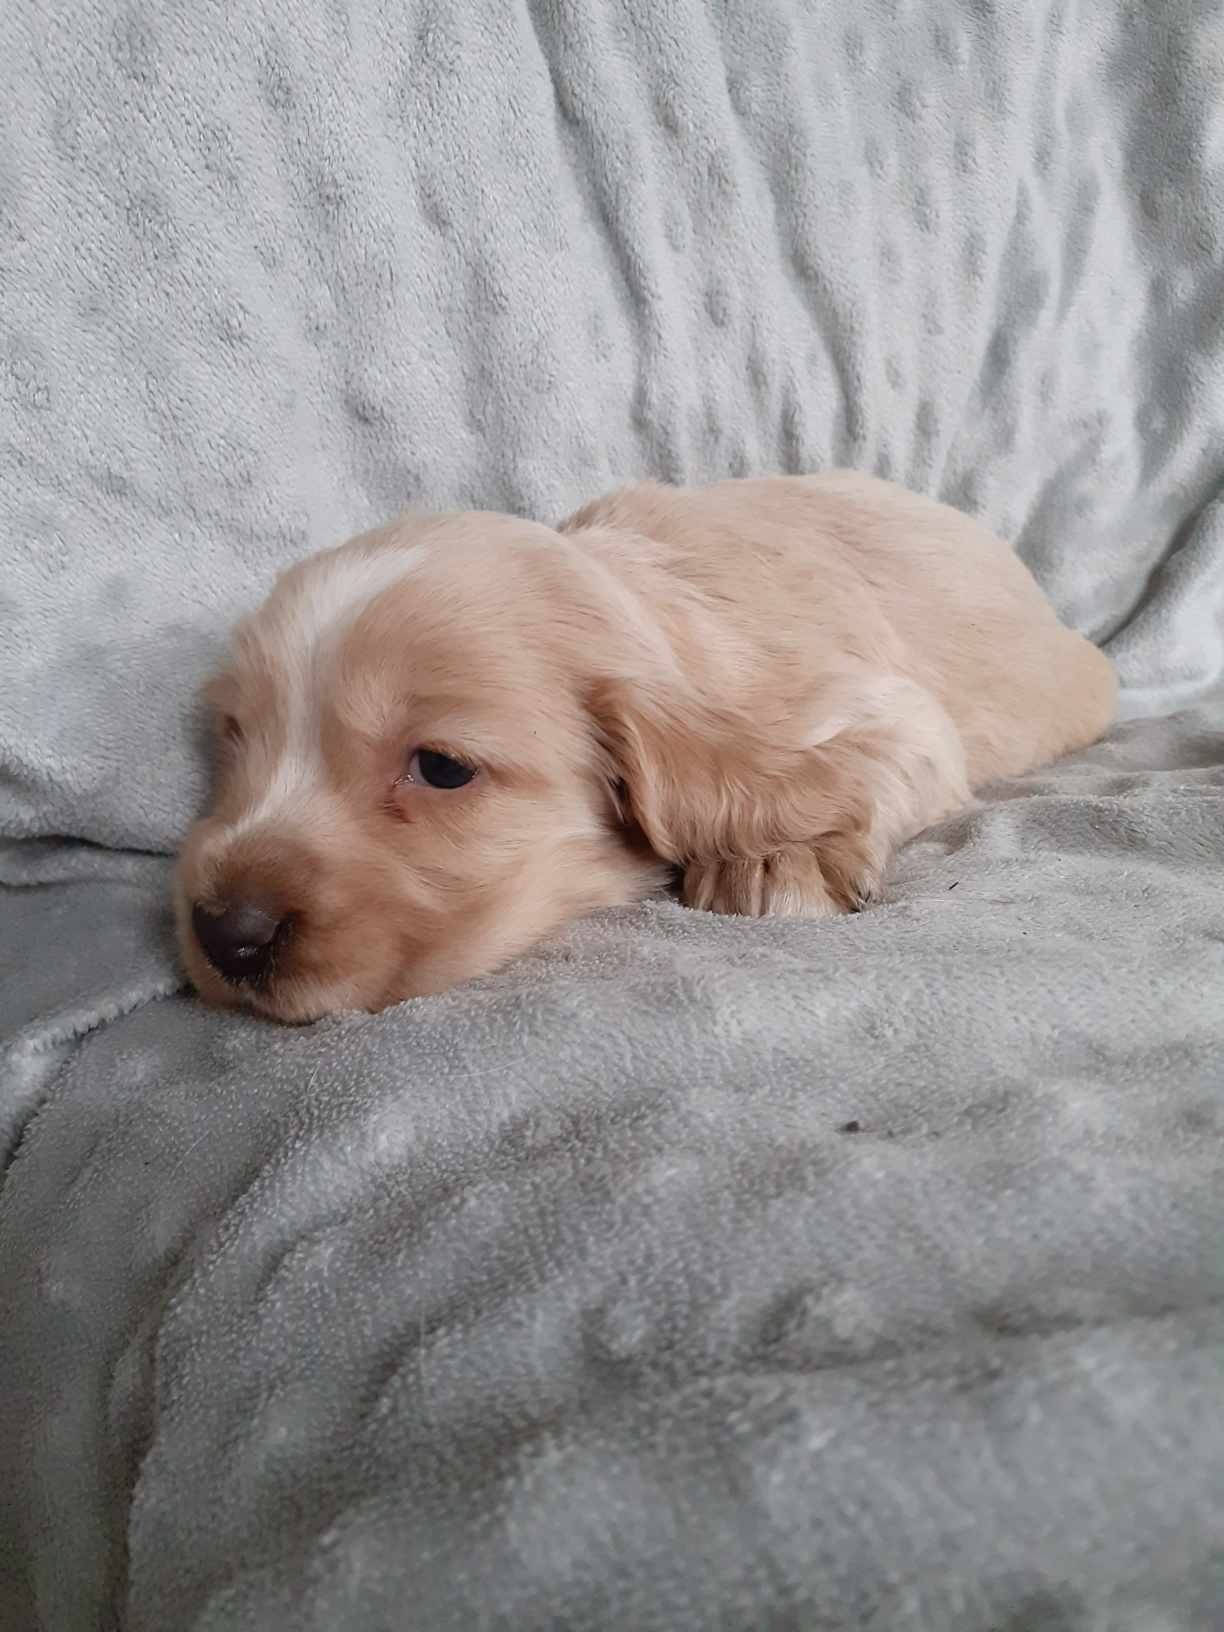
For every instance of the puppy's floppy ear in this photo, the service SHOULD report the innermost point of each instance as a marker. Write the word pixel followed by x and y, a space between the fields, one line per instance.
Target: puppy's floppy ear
pixel 867 761
pixel 695 779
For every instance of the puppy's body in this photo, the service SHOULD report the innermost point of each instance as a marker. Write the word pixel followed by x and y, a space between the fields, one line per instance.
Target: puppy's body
pixel 767 683
pixel 875 652
pixel 785 579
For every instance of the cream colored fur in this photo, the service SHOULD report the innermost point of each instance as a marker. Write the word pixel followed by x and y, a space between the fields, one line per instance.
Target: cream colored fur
pixel 766 684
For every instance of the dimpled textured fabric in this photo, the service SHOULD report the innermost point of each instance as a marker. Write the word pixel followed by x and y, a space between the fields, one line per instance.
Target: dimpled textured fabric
pixel 691 1273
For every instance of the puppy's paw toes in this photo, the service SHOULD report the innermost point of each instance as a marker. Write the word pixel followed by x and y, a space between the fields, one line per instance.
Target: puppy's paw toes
pixel 866 893
pixel 853 874
pixel 788 883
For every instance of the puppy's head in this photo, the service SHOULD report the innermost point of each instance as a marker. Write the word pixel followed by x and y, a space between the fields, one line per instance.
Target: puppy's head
pixel 410 787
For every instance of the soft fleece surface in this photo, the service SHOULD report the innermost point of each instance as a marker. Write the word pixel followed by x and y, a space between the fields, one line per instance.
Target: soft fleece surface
pixel 691 1273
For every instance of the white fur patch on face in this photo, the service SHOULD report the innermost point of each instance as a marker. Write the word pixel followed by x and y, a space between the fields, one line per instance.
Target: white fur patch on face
pixel 304 627
pixel 337 589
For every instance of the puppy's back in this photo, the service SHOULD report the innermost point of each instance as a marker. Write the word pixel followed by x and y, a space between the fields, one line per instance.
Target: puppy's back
pixel 881 572
pixel 1020 685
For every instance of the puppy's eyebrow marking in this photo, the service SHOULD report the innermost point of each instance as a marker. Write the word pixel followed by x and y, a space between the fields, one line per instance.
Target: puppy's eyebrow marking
pixel 335 592
pixel 302 634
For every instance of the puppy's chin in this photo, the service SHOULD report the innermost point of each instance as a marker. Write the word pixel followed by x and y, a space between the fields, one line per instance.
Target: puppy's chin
pixel 291 1001
pixel 299 1003
pixel 298 1000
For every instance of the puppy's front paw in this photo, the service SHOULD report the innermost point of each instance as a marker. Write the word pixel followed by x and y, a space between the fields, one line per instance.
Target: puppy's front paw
pixel 789 883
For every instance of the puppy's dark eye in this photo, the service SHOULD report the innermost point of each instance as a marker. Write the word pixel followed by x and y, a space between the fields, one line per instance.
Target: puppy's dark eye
pixel 439 770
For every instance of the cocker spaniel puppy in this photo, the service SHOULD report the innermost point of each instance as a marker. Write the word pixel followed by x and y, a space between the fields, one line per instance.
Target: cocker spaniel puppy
pixel 442 740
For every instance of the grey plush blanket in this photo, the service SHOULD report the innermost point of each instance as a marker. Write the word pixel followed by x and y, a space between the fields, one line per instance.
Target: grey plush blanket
pixel 691 1273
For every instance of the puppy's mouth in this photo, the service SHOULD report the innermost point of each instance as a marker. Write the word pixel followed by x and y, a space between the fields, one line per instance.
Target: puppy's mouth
pixel 288 1002
pixel 278 1015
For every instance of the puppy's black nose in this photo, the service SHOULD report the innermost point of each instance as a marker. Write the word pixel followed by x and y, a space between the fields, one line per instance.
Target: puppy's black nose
pixel 239 941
